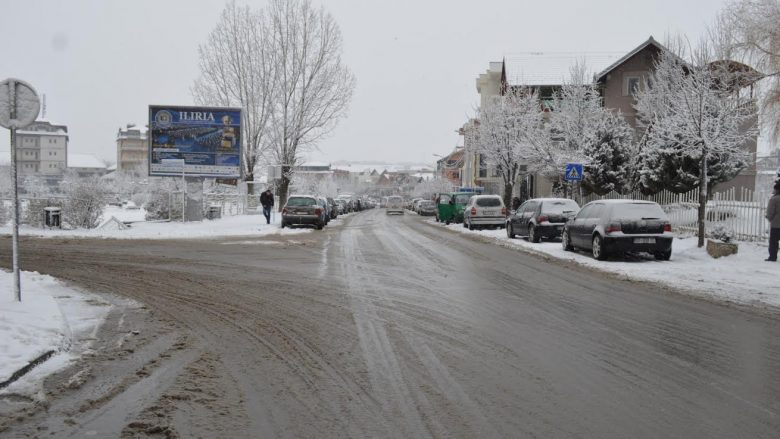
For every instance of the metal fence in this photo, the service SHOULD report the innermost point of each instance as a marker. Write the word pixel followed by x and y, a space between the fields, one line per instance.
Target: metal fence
pixel 741 211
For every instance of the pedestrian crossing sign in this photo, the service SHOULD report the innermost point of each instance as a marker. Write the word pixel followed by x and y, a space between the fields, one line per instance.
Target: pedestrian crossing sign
pixel 573 172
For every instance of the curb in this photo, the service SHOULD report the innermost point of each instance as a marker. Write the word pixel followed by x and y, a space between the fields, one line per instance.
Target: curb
pixel 26 369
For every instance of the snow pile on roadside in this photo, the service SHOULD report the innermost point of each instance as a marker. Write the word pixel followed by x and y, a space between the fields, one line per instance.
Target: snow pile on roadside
pixel 49 318
pixel 742 278
pixel 239 225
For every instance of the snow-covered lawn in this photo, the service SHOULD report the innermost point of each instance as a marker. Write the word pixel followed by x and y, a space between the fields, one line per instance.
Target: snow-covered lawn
pixel 50 317
pixel 742 278
pixel 239 225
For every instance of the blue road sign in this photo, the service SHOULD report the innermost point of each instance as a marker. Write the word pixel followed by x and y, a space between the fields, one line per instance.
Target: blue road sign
pixel 573 172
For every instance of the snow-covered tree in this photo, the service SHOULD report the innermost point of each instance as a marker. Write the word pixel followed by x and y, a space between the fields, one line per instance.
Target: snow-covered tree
pixel 313 87
pixel 609 155
pixel 572 123
pixel 749 31
pixel 509 128
pixel 695 108
pixel 85 198
pixel 429 188
pixel 237 69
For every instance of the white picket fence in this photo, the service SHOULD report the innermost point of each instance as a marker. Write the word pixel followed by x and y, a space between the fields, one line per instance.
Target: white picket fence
pixel 741 211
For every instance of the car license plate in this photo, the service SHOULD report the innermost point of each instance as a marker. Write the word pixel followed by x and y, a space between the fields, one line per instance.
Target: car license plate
pixel 489 212
pixel 644 240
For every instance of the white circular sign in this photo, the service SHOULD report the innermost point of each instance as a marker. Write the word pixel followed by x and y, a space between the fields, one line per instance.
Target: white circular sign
pixel 18 95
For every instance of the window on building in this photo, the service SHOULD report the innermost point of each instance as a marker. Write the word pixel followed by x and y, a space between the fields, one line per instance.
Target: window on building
pixel 631 85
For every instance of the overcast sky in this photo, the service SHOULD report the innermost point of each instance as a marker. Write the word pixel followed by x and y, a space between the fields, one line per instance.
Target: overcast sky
pixel 101 63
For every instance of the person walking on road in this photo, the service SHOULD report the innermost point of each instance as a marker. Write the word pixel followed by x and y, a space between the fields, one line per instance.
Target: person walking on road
pixel 267 201
pixel 773 215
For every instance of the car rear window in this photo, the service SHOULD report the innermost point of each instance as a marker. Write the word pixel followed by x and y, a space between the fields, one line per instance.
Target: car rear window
pixel 637 211
pixel 301 201
pixel 559 207
pixel 426 204
pixel 489 202
pixel 462 198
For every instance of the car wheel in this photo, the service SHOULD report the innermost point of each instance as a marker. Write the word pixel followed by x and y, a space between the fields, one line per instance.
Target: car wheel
pixel 471 226
pixel 320 226
pixel 532 235
pixel 464 224
pixel 599 252
pixel 447 222
pixel 283 224
pixel 663 256
pixel 565 242
pixel 510 231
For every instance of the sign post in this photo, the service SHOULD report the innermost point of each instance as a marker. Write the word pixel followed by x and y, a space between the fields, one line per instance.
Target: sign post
pixel 573 172
pixel 19 107
pixel 171 165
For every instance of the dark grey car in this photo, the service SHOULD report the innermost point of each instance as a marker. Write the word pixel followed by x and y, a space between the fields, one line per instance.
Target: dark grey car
pixel 541 218
pixel 619 226
pixel 303 210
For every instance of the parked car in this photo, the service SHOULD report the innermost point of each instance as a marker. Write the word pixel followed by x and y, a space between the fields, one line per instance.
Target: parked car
pixel 426 208
pixel 342 206
pixel 323 202
pixel 449 207
pixel 334 208
pixel 303 210
pixel 618 226
pixel 413 204
pixel 540 218
pixel 395 204
pixel 484 211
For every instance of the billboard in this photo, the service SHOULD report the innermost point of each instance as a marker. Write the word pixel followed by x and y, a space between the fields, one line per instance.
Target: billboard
pixel 208 139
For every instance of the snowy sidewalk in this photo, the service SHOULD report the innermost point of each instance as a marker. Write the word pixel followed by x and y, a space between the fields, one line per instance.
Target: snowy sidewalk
pixel 743 278
pixel 239 225
pixel 50 317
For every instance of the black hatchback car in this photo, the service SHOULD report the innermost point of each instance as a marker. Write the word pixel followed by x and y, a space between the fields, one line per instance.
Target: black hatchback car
pixel 541 217
pixel 619 226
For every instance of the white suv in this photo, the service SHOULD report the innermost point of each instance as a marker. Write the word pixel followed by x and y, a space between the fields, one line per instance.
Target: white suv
pixel 484 210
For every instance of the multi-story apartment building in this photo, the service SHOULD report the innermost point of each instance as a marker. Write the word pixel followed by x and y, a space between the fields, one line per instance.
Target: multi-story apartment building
pixel 42 149
pixel 132 150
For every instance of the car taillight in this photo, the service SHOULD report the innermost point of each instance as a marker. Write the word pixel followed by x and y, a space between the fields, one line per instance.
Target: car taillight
pixel 318 211
pixel 667 227
pixel 503 211
pixel 541 219
pixel 473 210
pixel 613 228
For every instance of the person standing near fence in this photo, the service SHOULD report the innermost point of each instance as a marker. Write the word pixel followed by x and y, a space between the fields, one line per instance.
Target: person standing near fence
pixel 773 215
pixel 267 201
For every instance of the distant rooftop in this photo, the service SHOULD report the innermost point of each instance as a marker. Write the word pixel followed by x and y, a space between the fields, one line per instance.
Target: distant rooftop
pixel 554 68
pixel 76 160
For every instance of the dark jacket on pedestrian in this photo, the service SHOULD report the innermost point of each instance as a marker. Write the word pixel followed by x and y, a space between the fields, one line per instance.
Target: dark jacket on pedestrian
pixel 773 210
pixel 267 199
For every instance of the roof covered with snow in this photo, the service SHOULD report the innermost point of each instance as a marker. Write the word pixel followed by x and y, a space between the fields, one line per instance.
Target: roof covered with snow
pixel 554 68
pixel 76 160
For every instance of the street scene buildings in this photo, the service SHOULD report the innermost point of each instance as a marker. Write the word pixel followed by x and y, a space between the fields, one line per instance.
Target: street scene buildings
pixel 390 219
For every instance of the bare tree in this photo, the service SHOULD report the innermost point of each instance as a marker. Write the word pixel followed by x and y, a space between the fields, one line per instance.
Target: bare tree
pixel 506 134
pixel 696 107
pixel 236 69
pixel 749 31
pixel 313 87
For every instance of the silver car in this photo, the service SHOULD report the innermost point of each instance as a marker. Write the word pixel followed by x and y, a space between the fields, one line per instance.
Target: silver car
pixel 484 211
